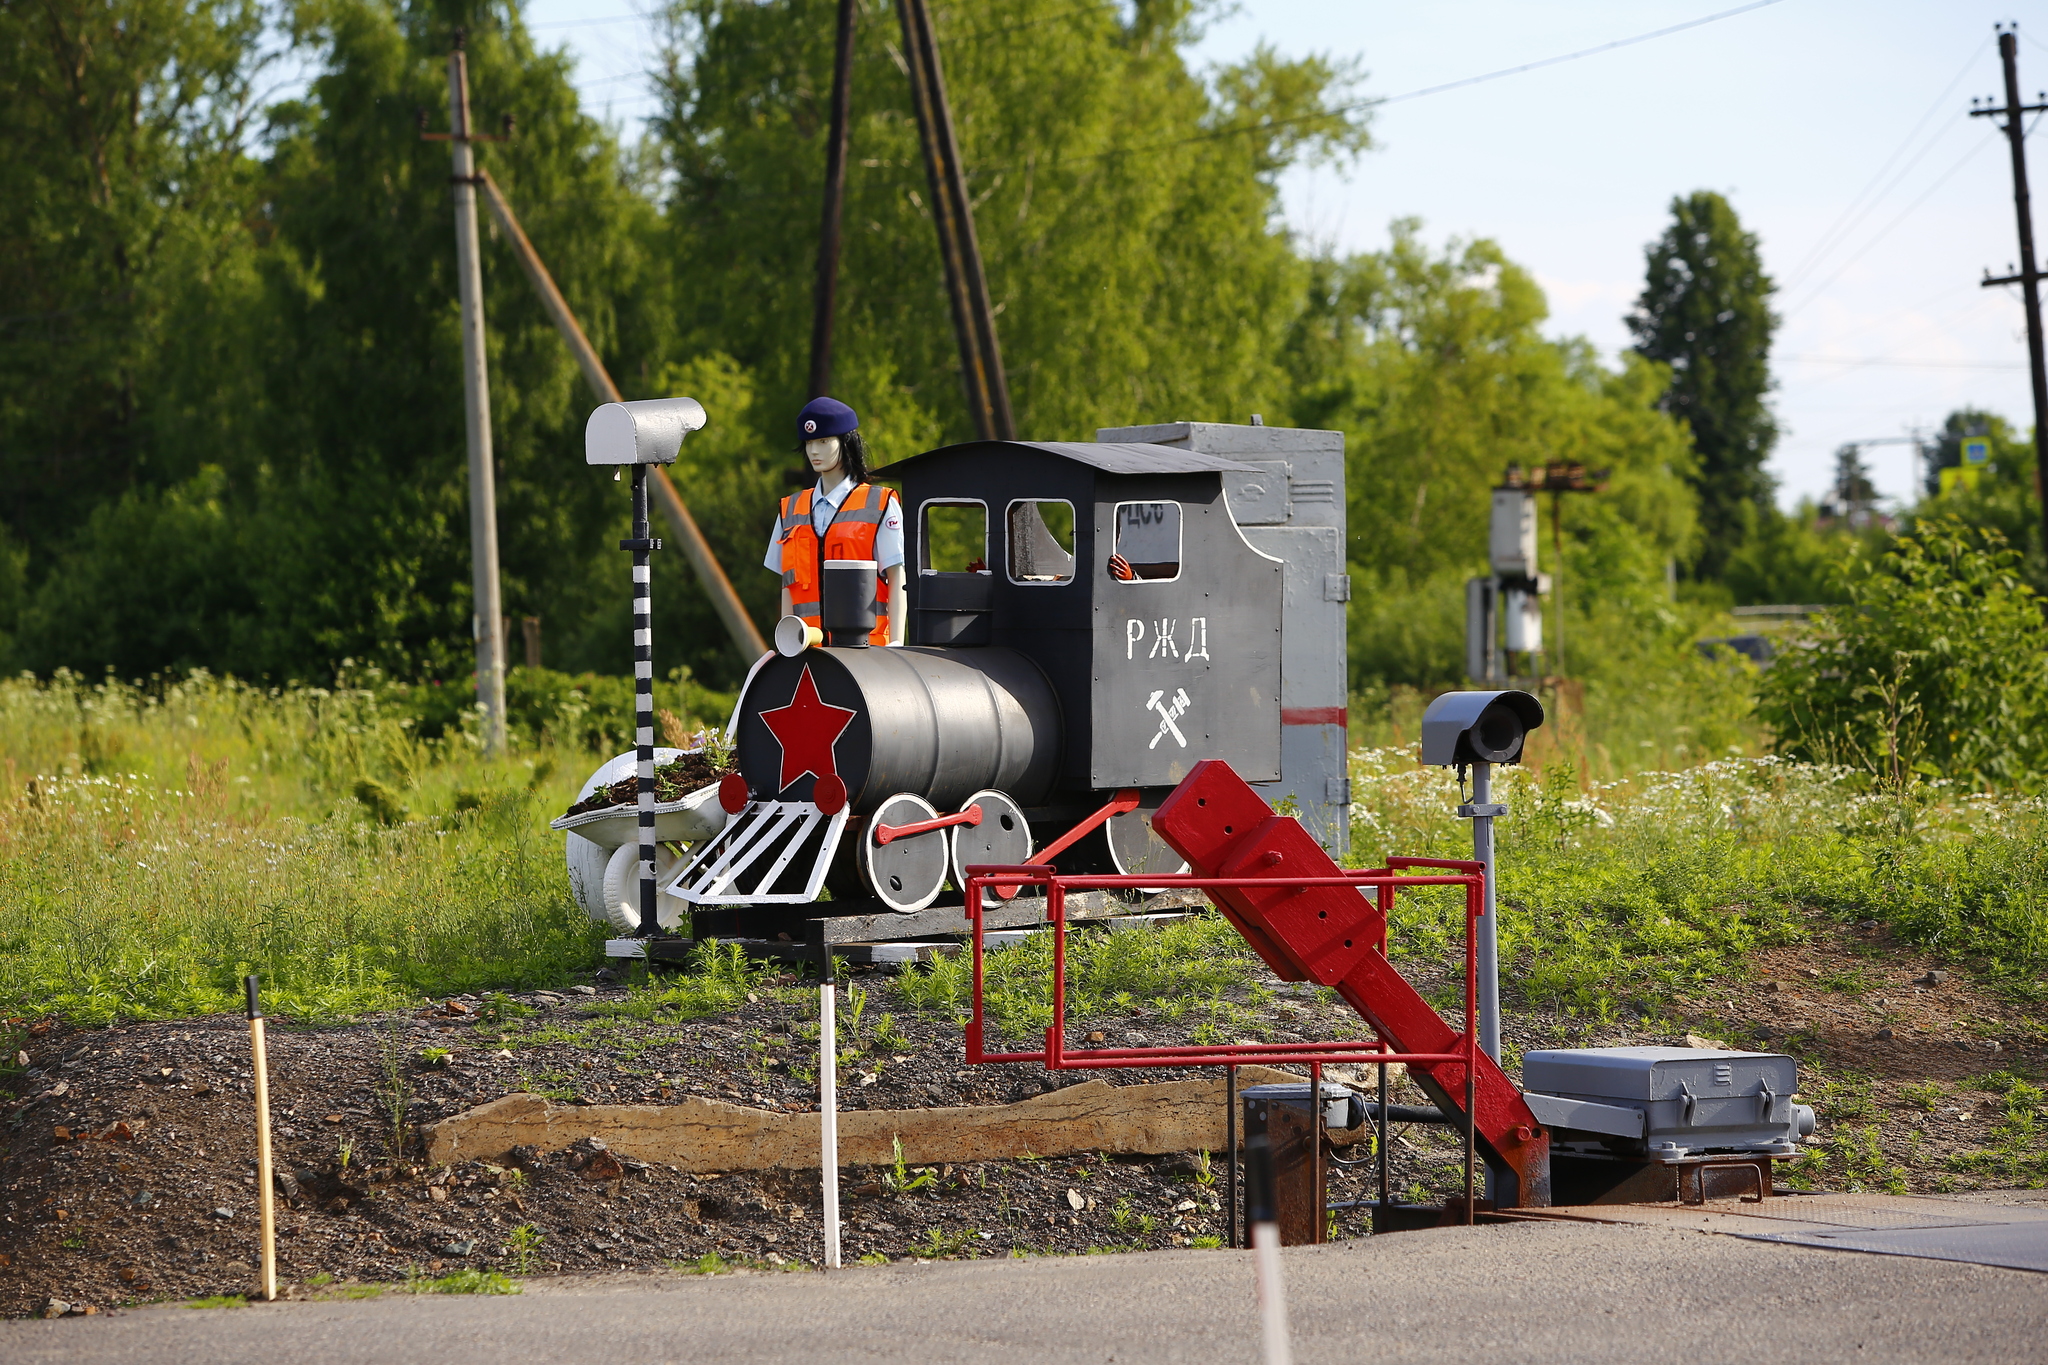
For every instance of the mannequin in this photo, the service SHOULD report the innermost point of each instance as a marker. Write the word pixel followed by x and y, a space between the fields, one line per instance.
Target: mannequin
pixel 828 462
pixel 851 523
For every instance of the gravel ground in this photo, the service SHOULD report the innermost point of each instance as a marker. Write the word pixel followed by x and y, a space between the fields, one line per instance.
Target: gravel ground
pixel 127 1173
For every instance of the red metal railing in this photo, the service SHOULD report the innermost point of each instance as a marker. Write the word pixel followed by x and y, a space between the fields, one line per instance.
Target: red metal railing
pixel 1056 1056
pixel 1384 884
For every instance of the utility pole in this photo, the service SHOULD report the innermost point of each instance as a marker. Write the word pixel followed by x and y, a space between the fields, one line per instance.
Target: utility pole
pixel 2028 278
pixel 981 361
pixel 825 300
pixel 476 403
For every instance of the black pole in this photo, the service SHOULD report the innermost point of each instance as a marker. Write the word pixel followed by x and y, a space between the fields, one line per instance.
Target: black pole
pixel 2029 278
pixel 995 385
pixel 1385 1188
pixel 972 370
pixel 642 544
pixel 1230 1151
pixel 255 1002
pixel 835 199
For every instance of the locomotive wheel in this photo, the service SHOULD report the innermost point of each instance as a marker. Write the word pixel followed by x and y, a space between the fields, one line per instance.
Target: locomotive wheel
pixel 1003 836
pixel 622 888
pixel 904 874
pixel 1136 850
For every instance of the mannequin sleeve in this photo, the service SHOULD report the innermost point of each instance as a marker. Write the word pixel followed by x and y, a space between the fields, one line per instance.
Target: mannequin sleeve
pixel 899 606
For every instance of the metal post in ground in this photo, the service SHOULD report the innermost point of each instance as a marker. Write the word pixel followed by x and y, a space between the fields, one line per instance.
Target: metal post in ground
pixel 1230 1154
pixel 266 1191
pixel 1483 809
pixel 828 1105
pixel 1318 1196
pixel 488 604
pixel 1265 1239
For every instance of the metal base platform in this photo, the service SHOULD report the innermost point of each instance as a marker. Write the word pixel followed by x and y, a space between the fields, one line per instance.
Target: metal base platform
pixel 792 933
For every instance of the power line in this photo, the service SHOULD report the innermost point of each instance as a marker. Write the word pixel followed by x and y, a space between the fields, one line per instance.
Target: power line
pixel 1884 231
pixel 1842 227
pixel 1566 57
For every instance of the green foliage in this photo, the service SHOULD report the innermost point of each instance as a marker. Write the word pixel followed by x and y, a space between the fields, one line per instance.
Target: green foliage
pixel 126 276
pixel 2004 499
pixel 1788 559
pixel 719 977
pixel 1626 893
pixel 1936 667
pixel 461 1282
pixel 1125 211
pixel 900 1179
pixel 1436 369
pixel 1198 958
pixel 2017 1155
pixel 525 1242
pixel 219 835
pixel 1705 312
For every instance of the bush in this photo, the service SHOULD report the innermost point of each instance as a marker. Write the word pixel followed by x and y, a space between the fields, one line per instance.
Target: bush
pixel 1937 667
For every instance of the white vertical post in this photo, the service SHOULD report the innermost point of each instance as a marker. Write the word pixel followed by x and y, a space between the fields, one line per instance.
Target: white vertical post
pixel 266 1192
pixel 1275 1347
pixel 489 622
pixel 828 1109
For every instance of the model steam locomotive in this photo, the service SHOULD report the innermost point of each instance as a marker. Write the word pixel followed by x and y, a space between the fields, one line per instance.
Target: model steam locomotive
pixel 1087 620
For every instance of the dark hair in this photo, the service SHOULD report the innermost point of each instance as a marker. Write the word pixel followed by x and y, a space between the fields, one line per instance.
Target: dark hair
pixel 853 454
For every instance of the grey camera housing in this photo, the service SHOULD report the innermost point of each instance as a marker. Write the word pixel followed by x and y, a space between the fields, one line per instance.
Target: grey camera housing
pixel 647 431
pixel 1478 727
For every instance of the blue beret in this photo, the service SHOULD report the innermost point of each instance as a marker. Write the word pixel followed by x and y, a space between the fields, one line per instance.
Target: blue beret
pixel 825 417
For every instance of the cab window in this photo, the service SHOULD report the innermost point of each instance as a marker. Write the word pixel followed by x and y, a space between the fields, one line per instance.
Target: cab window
pixel 1040 541
pixel 953 537
pixel 1147 542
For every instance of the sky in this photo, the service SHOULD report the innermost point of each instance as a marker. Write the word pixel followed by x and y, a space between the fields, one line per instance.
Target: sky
pixel 1838 129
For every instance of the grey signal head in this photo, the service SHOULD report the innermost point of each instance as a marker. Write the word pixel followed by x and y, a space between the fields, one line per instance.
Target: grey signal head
pixel 648 431
pixel 1478 727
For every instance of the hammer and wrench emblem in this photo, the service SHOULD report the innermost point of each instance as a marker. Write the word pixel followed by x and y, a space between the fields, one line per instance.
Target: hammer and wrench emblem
pixel 1169 713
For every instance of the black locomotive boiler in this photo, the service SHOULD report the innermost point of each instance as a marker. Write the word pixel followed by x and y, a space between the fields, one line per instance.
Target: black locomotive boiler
pixel 1087 621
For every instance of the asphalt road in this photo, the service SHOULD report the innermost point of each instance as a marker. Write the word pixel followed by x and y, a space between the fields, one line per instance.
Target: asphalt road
pixel 1574 1293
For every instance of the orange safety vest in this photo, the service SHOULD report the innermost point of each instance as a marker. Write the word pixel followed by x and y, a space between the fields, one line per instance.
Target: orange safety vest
pixel 850 536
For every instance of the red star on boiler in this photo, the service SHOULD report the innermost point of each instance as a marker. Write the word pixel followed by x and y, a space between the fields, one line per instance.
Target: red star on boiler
pixel 807 729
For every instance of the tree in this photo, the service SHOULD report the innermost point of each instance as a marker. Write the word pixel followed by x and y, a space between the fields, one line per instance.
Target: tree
pixel 1937 666
pixel 123 264
pixel 1125 208
pixel 330 522
pixel 1705 312
pixel 1435 367
pixel 2004 497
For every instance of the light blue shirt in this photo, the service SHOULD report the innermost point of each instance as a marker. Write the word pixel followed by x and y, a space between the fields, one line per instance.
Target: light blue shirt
pixel 825 505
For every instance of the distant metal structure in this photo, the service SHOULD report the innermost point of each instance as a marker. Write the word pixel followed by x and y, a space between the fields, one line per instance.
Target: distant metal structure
pixel 1504 612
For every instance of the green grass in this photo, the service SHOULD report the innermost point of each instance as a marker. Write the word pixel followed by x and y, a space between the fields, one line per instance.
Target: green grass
pixel 1196 959
pixel 1620 895
pixel 462 1282
pixel 158 842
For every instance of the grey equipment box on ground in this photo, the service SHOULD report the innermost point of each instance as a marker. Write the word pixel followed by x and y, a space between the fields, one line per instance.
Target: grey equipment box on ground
pixel 1667 1101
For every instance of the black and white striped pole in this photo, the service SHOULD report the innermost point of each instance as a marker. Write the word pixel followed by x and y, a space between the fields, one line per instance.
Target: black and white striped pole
pixel 640 434
pixel 643 544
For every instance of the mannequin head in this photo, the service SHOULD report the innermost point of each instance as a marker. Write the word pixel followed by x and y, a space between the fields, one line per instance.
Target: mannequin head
pixel 835 457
